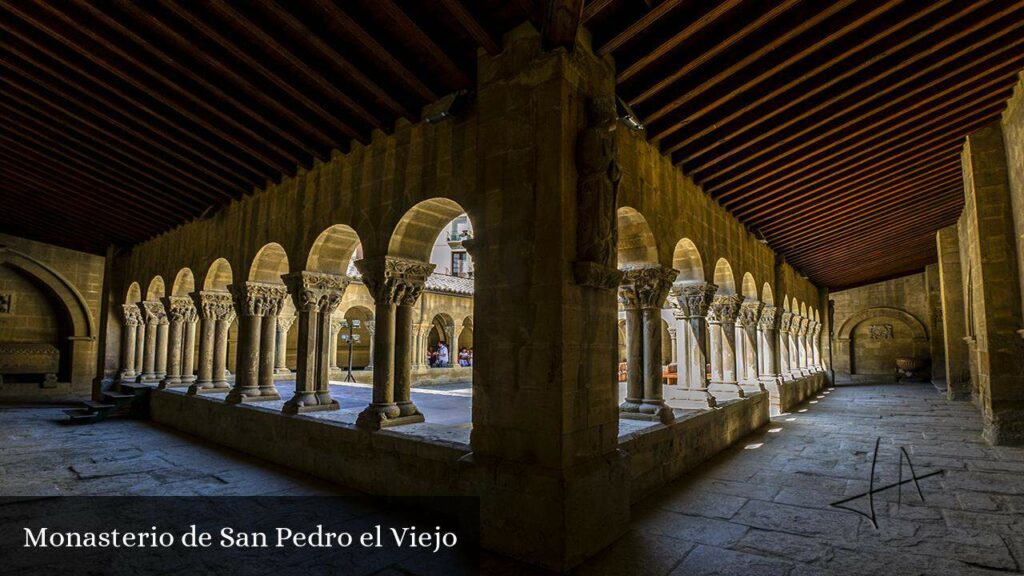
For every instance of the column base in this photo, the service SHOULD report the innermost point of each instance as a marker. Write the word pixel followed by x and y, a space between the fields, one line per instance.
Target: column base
pixel 658 409
pixel 753 386
pixel 408 409
pixel 693 399
pixel 283 371
pixel 248 394
pixel 304 402
pixel 726 390
pixel 171 383
pixel 377 416
pixel 664 415
pixel 630 406
pixel 208 387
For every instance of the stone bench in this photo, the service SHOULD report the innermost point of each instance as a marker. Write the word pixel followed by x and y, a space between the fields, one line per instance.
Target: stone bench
pixel 30 358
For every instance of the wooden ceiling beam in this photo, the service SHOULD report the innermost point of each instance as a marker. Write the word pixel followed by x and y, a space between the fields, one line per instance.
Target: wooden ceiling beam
pixel 636 28
pixel 472 26
pixel 405 27
pixel 561 23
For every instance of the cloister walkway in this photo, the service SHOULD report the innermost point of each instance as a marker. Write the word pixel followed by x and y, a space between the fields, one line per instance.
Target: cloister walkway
pixel 762 507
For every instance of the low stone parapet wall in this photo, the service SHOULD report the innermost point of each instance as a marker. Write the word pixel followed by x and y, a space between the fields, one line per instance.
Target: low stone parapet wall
pixel 789 393
pixel 663 453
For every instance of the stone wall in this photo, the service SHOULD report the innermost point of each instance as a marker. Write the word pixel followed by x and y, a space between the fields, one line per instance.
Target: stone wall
pixel 877 323
pixel 1013 138
pixel 50 295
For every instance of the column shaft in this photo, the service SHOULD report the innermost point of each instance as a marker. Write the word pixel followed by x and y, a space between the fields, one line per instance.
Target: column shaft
pixel 403 359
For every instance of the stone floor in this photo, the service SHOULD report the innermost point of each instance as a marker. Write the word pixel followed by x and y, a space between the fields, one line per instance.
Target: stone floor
pixel 761 508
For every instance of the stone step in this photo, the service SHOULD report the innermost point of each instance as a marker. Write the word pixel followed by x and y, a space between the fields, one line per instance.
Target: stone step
pixel 82 416
pixel 98 406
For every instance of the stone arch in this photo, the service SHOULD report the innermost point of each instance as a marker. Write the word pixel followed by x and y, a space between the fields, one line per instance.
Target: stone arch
pixel 134 294
pixel 786 304
pixel 415 233
pixel 803 310
pixel 767 296
pixel 156 289
pixel 270 263
pixel 79 318
pixel 916 326
pixel 724 277
pixel 442 329
pixel 465 339
pixel 794 306
pixel 361 353
pixel 218 277
pixel 332 250
pixel 748 288
pixel 636 244
pixel 687 259
pixel 184 283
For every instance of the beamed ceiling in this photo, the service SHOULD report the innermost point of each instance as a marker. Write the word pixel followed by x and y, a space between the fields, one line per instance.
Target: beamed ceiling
pixel 832 129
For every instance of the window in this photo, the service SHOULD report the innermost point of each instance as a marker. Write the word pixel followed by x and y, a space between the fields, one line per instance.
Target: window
pixel 459 264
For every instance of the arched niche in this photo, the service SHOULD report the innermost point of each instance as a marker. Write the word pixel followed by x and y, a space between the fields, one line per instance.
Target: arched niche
pixel 869 341
pixel 748 289
pixel 184 283
pixel 767 296
pixel 724 277
pixel 270 263
pixel 332 250
pixel 415 233
pixel 134 294
pixel 636 245
pixel 687 259
pixel 156 289
pixel 219 276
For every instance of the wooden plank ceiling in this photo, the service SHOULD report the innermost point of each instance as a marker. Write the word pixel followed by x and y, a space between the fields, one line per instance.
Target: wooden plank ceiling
pixel 832 129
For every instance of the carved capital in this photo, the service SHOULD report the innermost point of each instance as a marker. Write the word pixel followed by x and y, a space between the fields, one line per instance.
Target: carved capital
pixel 770 318
pixel 692 300
pixel 316 290
pixel 750 312
pixel 596 275
pixel 800 325
pixel 394 280
pixel 648 285
pixel 215 305
pixel 284 323
pixel 258 298
pixel 786 321
pixel 179 308
pixel 817 329
pixel 132 315
pixel 153 312
pixel 370 326
pixel 724 309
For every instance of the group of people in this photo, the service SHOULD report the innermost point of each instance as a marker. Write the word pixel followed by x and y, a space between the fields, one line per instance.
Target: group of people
pixel 439 357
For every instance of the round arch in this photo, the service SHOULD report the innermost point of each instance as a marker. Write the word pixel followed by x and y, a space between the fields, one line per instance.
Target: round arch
pixel 332 250
pixel 80 319
pixel 415 233
pixel 636 244
pixel 134 294
pixel 916 326
pixel 748 288
pixel 724 277
pixel 785 304
pixel 767 296
pixel 218 277
pixel 687 259
pixel 156 289
pixel 270 263
pixel 184 283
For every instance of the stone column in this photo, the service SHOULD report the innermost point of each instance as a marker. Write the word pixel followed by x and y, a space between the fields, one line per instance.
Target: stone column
pixel 680 342
pixel 220 348
pixel 316 297
pixel 284 324
pixel 132 319
pixel 647 286
pixel 413 281
pixel 722 314
pixel 692 302
pixel 332 345
pixel 954 324
pixel 268 342
pixel 785 368
pixel 369 325
pixel 388 278
pixel 634 351
pixel 162 335
pixel 801 339
pixel 140 347
pixel 768 323
pixel 188 350
pixel 177 309
pixel 254 300
pixel 747 321
pixel 211 306
pixel 154 314
pixel 816 347
pixel 674 340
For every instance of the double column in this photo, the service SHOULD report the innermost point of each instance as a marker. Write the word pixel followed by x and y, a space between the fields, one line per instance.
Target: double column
pixel 316 296
pixel 395 284
pixel 722 329
pixel 800 340
pixel 785 356
pixel 690 303
pixel 217 313
pixel 747 321
pixel 816 347
pixel 641 293
pixel 181 342
pixel 154 356
pixel 258 306
pixel 129 342
pixel 284 324
pixel 768 324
